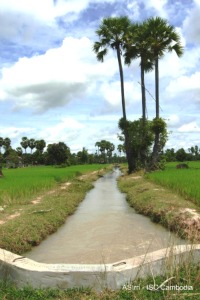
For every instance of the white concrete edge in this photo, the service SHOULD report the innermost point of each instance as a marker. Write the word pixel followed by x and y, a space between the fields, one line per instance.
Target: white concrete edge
pixel 23 271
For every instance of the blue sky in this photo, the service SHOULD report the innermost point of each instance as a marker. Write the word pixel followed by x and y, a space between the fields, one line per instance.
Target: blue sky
pixel 53 88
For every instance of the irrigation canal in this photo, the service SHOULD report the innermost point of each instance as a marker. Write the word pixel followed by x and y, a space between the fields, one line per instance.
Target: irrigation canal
pixel 104 229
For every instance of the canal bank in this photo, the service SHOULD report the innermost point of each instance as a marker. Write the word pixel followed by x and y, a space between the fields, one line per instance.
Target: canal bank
pixel 162 205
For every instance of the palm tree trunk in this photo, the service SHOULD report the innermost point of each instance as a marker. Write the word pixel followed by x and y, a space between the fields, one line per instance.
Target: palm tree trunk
pixel 143 149
pixel 155 154
pixel 122 82
pixel 128 146
pixel 143 93
pixel 157 87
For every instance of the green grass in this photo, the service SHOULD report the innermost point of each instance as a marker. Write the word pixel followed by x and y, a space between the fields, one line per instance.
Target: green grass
pixel 36 222
pixel 19 186
pixel 161 203
pixel 185 182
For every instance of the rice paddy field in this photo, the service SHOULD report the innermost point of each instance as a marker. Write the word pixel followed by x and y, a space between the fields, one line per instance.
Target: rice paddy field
pixel 185 182
pixel 21 185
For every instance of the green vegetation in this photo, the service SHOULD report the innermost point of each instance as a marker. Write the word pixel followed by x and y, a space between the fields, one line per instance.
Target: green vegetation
pixel 38 153
pixel 37 200
pixel 185 182
pixel 105 148
pixel 161 204
pixel 20 186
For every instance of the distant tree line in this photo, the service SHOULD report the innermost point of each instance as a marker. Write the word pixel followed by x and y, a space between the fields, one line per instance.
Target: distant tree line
pixel 55 154
pixel 192 153
pixel 60 154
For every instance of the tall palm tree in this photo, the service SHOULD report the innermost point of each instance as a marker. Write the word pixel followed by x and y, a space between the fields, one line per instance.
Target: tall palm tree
pixel 136 46
pixel 111 34
pixel 120 148
pixel 19 151
pixel 7 144
pixel 103 147
pixel 97 144
pixel 24 143
pixel 40 145
pixel 31 144
pixel 109 149
pixel 161 37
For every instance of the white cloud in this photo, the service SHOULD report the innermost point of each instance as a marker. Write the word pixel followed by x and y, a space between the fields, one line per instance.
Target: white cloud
pixel 190 127
pixel 57 77
pixel 158 5
pixel 74 132
pixel 67 129
pixel 68 123
pixel 15 132
pixel 63 7
pixel 41 9
pixel 23 20
pixel 23 12
pixel 191 25
pixel 173 120
pixel 112 92
pixel 134 10
pixel 184 83
pixel 165 66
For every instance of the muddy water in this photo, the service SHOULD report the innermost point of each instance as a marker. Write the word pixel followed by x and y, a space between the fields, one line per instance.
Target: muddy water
pixel 104 229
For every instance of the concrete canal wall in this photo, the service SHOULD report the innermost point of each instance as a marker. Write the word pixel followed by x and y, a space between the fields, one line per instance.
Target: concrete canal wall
pixel 23 271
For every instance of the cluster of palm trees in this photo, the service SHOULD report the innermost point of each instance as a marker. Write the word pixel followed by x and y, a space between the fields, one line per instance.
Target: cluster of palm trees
pixel 105 150
pixel 147 41
pixel 14 157
pixel 32 144
pixel 5 143
pixel 25 143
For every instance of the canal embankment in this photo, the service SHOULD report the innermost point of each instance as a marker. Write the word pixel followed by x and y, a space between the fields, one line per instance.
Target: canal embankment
pixel 162 205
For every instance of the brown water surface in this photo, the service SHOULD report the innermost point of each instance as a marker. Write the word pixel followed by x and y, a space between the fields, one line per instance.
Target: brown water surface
pixel 104 229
